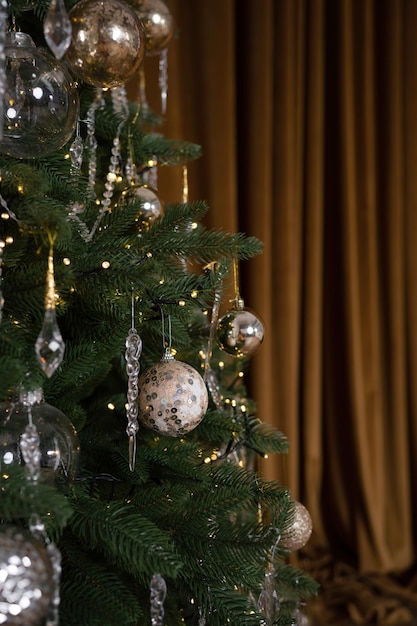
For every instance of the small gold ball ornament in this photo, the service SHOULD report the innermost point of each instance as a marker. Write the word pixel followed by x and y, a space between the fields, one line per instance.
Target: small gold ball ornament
pixel 296 536
pixel 108 42
pixel 173 397
pixel 157 22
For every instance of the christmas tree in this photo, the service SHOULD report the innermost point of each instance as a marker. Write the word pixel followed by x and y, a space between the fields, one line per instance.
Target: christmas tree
pixel 128 443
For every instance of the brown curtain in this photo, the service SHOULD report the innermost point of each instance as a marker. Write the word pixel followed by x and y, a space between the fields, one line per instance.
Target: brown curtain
pixel 306 113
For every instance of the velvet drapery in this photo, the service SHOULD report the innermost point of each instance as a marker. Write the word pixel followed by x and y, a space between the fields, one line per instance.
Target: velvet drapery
pixel 306 113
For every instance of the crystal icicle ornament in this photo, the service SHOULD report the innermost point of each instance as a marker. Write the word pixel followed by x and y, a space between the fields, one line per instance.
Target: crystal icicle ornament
pixel 3 29
pixel 57 28
pixel 268 601
pixel 132 355
pixel 2 244
pixel 30 447
pixel 76 152
pixel 158 589
pixel 50 346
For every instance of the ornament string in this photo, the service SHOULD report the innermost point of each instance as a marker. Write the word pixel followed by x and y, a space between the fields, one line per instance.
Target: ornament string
pixel 238 301
pixel 132 356
pixel 50 346
pixel 30 448
pixel 167 345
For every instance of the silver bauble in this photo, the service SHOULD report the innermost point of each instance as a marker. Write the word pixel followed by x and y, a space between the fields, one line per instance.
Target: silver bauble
pixel 26 578
pixel 239 332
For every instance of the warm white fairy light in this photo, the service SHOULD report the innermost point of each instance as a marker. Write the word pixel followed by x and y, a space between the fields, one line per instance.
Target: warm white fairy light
pixel 105 265
pixel 194 293
pixel 66 261
pixel 111 406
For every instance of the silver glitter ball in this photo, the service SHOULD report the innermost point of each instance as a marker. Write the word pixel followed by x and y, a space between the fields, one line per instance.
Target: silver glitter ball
pixel 26 578
pixel 298 533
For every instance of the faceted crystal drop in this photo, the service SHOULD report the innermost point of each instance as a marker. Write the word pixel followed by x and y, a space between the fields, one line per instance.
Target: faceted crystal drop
pixel 50 346
pixel 57 28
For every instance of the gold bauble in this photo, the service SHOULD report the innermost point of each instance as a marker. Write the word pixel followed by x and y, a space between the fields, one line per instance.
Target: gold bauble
pixel 299 532
pixel 157 22
pixel 108 42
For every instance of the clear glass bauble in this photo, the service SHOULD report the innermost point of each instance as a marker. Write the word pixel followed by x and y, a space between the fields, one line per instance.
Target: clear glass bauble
pixel 59 444
pixel 27 585
pixel 108 42
pixel 150 207
pixel 239 332
pixel 41 100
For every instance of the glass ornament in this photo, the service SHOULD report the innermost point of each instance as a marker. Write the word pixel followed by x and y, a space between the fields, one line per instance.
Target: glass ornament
pixel 239 332
pixel 157 22
pixel 299 532
pixel 173 397
pixel 26 577
pixel 57 28
pixel 150 206
pixel 41 100
pixel 108 42
pixel 59 444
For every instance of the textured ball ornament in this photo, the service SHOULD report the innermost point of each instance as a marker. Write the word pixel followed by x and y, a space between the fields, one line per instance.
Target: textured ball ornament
pixel 26 578
pixel 173 397
pixel 299 532
pixel 59 444
pixel 157 22
pixel 239 332
pixel 108 42
pixel 41 100
pixel 150 205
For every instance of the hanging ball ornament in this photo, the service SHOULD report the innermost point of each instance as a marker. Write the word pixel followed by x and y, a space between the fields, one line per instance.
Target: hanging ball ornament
pixel 41 100
pixel 150 206
pixel 108 42
pixel 27 586
pixel 173 397
pixel 239 332
pixel 59 444
pixel 299 532
pixel 157 22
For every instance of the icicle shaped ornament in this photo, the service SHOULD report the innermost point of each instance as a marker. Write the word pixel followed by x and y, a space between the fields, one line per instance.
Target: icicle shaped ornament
pixel 158 590
pixel 57 28
pixel 50 346
pixel 132 355
pixel 3 29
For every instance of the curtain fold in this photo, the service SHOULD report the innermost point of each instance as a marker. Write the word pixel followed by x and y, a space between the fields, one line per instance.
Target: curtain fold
pixel 306 114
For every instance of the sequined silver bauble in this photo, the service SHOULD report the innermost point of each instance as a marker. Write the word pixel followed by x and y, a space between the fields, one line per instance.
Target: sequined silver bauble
pixel 173 397
pixel 26 578
pixel 59 444
pixel 157 22
pixel 299 532
pixel 239 332
pixel 41 100
pixel 150 206
pixel 108 42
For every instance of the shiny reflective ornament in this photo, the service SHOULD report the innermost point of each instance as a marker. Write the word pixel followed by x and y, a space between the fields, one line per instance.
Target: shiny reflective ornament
pixel 157 22
pixel 59 444
pixel 150 206
pixel 239 332
pixel 26 578
pixel 108 42
pixel 40 101
pixel 50 346
pixel 173 398
pixel 299 532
